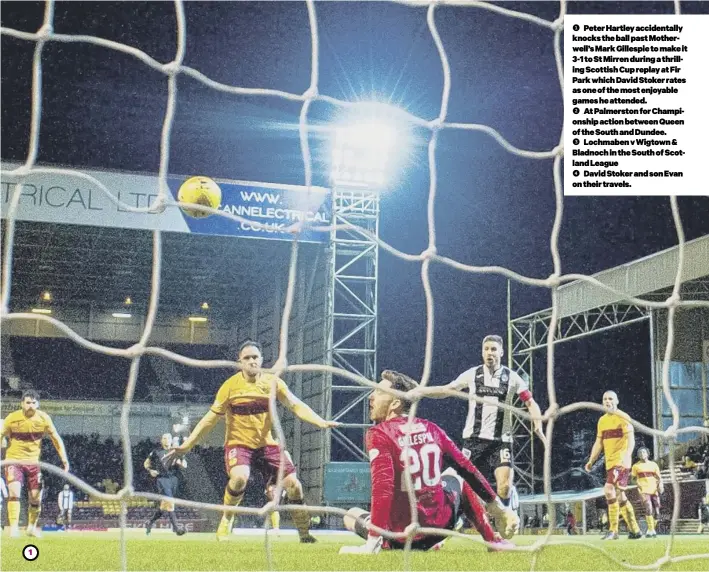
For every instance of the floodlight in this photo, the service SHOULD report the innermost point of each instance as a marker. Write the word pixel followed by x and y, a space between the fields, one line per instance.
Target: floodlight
pixel 368 146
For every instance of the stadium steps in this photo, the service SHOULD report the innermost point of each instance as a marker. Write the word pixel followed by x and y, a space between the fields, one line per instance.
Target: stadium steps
pixel 686 525
pixel 681 476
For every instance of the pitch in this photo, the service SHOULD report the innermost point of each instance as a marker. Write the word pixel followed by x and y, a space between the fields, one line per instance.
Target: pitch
pixel 100 551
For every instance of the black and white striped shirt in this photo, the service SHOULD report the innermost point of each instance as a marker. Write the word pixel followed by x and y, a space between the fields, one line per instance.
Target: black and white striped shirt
pixel 488 420
pixel 65 500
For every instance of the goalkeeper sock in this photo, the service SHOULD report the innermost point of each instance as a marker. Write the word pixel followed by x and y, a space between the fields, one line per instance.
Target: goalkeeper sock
pixel 301 518
pixel 13 511
pixel 650 523
pixel 155 517
pixel 626 509
pixel 475 512
pixel 33 514
pixel 613 515
pixel 275 520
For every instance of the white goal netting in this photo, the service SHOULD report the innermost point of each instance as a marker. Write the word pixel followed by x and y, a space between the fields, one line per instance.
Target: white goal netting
pixel 426 258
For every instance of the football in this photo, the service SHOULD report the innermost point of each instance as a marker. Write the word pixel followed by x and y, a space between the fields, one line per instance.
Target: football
pixel 199 191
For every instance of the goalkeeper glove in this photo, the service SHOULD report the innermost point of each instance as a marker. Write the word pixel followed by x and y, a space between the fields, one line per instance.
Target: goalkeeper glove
pixel 372 546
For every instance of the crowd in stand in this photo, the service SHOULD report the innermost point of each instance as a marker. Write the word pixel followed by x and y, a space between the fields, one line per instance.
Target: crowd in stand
pixel 696 460
pixel 98 462
pixel 48 365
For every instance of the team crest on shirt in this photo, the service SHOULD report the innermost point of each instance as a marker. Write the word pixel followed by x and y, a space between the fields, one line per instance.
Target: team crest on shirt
pixel 504 378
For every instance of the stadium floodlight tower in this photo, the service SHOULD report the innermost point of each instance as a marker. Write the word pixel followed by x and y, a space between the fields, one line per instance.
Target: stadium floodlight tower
pixel 368 141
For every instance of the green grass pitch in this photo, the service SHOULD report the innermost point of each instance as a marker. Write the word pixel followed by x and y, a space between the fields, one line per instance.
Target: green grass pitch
pixel 100 551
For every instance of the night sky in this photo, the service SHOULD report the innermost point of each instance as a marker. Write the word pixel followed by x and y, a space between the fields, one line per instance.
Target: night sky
pixel 104 109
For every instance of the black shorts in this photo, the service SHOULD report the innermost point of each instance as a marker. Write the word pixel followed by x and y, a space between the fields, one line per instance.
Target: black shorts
pixel 167 486
pixel 453 492
pixel 487 455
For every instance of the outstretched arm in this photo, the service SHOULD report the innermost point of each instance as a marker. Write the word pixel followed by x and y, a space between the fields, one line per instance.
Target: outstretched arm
pixel 302 411
pixel 205 425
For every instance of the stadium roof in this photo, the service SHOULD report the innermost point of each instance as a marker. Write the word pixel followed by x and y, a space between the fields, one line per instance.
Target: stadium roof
pixel 651 277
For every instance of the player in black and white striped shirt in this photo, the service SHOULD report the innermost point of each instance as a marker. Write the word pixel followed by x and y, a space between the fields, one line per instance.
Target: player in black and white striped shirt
pixel 487 435
pixel 65 501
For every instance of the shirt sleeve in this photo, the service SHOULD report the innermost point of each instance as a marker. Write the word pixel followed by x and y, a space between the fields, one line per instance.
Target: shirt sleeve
pixel 634 471
pixel 627 426
pixel 521 387
pixel 49 428
pixel 220 401
pixel 5 431
pixel 381 463
pixel 463 380
pixel 464 467
pixel 599 430
pixel 281 389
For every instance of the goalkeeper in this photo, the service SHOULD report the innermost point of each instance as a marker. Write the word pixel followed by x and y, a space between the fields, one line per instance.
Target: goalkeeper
pixel 440 495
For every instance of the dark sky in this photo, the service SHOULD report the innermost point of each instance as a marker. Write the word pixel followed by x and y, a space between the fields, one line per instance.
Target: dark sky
pixel 105 109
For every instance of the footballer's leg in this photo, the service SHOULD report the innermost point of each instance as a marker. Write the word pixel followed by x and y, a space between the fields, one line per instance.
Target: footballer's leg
pixel 34 486
pixel 613 511
pixel 504 473
pixel 14 477
pixel 628 513
pixel 238 466
pixel 356 520
pixel 169 507
pixel 157 515
pixel 301 518
pixel 275 516
pixel 271 461
pixel 467 503
pixel 649 514
pixel 656 512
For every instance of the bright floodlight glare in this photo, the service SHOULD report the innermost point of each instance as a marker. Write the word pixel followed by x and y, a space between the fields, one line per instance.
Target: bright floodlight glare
pixel 368 147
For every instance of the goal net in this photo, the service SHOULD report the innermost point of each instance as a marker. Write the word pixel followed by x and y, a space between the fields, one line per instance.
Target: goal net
pixel 174 69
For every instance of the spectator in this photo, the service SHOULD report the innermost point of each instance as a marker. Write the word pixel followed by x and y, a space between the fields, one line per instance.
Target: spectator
pixel 571 523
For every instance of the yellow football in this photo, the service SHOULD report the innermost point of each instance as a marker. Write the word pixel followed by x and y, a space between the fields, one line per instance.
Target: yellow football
pixel 199 191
